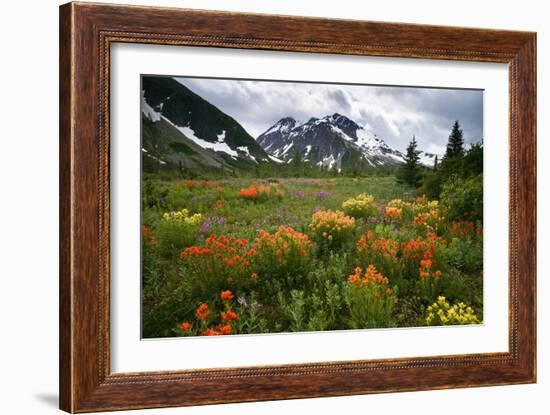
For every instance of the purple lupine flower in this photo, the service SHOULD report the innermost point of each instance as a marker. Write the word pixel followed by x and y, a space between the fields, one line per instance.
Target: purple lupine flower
pixel 322 195
pixel 242 301
pixel 208 222
pixel 205 226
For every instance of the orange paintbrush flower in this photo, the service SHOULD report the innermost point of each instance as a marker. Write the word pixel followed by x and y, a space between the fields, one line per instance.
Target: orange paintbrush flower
pixel 185 326
pixel 202 312
pixel 229 315
pixel 226 295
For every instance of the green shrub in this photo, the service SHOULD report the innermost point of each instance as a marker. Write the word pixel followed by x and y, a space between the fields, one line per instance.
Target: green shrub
pixel 465 254
pixel 282 257
pixel 331 229
pixel 176 230
pixel 361 206
pixel 251 319
pixel 369 299
pixel 431 184
pixel 153 195
pixel 219 264
pixel 463 198
pixel 316 310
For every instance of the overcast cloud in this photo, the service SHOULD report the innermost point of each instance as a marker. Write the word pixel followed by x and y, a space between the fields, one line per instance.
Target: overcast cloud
pixel 395 114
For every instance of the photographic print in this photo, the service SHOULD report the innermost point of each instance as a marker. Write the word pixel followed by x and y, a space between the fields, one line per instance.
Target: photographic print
pixel 278 206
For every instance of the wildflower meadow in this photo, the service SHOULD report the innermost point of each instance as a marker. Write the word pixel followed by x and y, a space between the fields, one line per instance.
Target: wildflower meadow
pixel 248 255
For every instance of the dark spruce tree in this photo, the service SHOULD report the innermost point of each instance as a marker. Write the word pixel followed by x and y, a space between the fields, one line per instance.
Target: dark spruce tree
pixel 410 171
pixel 297 164
pixel 455 146
pixel 454 154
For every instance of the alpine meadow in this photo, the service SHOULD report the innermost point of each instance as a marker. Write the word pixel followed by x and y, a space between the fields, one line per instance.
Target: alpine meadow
pixel 271 206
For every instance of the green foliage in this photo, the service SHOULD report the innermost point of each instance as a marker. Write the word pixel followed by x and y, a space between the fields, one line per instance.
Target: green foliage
pixel 473 161
pixel 222 263
pixel 431 183
pixel 457 163
pixel 316 310
pixel 175 231
pixel 460 286
pixel 163 298
pixel 455 146
pixel 410 171
pixel 293 309
pixel 463 198
pixel 286 290
pixel 153 196
pixel 465 254
pixel 366 310
pixel 281 260
pixel 251 320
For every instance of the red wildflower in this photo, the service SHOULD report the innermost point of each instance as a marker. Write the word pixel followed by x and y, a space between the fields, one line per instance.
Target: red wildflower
pixel 185 326
pixel 224 329
pixel 424 274
pixel 202 312
pixel 426 263
pixel 229 315
pixel 210 332
pixel 226 295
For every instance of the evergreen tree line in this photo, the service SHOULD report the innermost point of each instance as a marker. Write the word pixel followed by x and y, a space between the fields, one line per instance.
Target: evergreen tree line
pixel 457 178
pixel 298 166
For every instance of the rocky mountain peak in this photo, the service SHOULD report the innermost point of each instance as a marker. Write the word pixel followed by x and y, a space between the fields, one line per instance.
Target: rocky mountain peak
pixel 330 141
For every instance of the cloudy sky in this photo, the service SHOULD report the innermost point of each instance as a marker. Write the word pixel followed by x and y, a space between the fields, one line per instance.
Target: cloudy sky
pixel 395 114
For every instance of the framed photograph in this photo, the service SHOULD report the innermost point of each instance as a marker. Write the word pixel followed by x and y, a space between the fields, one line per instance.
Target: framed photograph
pixel 258 207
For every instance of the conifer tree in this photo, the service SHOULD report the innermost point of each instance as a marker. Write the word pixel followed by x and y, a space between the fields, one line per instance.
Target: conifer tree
pixel 455 146
pixel 297 163
pixel 410 171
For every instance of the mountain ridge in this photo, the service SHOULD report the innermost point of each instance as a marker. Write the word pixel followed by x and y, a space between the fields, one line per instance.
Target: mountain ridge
pixel 331 141
pixel 183 130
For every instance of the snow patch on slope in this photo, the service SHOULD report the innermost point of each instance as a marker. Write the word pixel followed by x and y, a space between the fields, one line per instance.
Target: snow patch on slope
pixel 190 134
pixel 366 139
pixel 342 134
pixel 155 158
pixel 245 150
pixel 275 159
pixel 147 110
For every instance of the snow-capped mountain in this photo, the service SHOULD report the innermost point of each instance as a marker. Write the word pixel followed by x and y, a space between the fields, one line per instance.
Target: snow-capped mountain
pixel 182 130
pixel 333 141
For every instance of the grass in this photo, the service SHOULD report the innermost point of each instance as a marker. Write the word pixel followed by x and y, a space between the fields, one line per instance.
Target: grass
pixel 297 279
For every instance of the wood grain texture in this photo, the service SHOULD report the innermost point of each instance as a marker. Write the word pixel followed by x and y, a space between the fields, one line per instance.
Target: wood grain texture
pixel 65 247
pixel 86 33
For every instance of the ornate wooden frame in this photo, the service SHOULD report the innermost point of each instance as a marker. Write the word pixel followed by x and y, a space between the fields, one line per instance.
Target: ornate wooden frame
pixel 86 33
